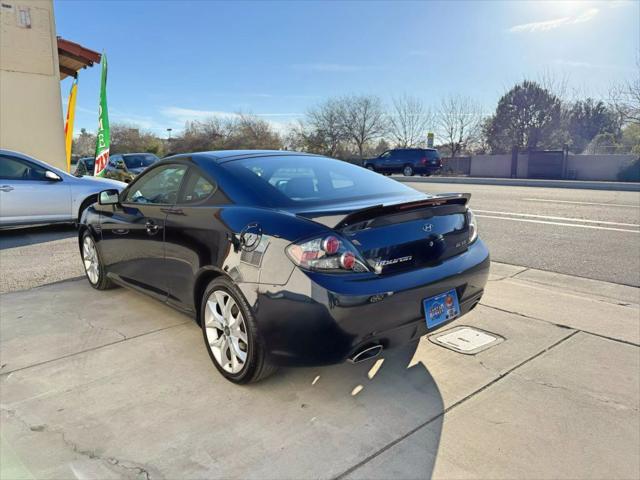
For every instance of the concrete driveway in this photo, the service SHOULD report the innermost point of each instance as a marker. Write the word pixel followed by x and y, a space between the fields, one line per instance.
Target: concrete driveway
pixel 115 385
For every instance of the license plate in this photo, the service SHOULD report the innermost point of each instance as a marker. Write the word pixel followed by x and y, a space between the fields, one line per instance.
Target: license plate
pixel 441 308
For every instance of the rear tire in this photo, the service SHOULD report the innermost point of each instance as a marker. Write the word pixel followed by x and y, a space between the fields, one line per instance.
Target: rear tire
pixel 407 171
pixel 231 334
pixel 93 266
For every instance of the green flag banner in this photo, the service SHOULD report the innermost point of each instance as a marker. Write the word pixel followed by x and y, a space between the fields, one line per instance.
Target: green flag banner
pixel 102 137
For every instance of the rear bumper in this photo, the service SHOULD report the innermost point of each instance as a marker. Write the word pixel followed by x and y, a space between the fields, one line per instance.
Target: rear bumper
pixel 427 168
pixel 318 319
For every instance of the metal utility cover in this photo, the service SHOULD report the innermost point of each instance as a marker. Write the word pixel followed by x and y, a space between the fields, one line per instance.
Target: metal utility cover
pixel 466 340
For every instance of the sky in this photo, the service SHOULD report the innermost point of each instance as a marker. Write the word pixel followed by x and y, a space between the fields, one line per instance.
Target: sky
pixel 176 61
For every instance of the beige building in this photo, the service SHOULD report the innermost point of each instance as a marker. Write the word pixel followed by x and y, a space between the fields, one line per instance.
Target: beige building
pixel 32 62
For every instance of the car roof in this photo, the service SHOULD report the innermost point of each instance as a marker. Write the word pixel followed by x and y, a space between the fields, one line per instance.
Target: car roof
pixel 222 156
pixel 414 149
pixel 135 153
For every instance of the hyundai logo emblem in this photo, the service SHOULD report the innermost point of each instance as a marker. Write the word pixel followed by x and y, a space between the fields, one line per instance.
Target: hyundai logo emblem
pixel 427 227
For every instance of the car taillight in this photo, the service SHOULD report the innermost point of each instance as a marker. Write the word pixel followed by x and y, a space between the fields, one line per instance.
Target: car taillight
pixel 473 226
pixel 329 254
pixel 424 160
pixel 331 245
pixel 348 260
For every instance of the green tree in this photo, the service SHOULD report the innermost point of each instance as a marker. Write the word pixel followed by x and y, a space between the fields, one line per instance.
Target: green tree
pixel 588 118
pixel 630 139
pixel 528 116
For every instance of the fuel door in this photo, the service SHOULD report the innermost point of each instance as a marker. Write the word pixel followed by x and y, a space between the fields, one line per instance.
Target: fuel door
pixel 250 237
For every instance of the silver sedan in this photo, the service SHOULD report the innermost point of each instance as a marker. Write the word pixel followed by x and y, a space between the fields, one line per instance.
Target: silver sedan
pixel 35 193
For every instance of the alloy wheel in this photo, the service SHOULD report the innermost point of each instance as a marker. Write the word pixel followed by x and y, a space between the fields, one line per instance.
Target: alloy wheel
pixel 408 171
pixel 90 260
pixel 226 331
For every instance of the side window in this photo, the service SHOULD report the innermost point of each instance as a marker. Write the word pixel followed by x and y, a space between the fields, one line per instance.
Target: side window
pixel 158 186
pixel 196 188
pixel 17 169
pixel 385 155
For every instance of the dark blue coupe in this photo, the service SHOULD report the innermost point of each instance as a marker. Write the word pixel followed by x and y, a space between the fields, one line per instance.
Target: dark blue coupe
pixel 287 258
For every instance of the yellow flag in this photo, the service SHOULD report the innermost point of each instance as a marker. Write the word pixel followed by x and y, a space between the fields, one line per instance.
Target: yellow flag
pixel 68 126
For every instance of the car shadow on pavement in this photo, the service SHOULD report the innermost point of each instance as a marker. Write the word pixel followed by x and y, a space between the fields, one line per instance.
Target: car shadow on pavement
pixel 391 396
pixel 21 237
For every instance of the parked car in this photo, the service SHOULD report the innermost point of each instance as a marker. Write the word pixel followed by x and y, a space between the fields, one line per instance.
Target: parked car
pixel 35 193
pixel 287 258
pixel 85 167
pixel 408 161
pixel 125 167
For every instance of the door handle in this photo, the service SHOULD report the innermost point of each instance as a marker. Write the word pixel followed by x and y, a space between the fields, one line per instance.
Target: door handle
pixel 172 211
pixel 6 188
pixel 152 227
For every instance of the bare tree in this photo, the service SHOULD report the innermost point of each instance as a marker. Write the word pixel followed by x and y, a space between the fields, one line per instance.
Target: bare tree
pixel 238 131
pixel 557 85
pixel 408 121
pixel 251 132
pixel 362 119
pixel 128 138
pixel 198 136
pixel 84 144
pixel 625 98
pixel 459 120
pixel 324 131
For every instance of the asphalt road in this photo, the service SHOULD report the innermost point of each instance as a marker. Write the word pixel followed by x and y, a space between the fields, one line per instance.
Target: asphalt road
pixel 587 233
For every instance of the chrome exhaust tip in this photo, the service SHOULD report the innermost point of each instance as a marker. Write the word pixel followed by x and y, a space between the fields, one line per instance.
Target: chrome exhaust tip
pixel 366 354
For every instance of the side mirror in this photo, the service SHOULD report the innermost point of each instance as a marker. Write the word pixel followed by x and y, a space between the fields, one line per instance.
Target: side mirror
pixel 54 177
pixel 109 197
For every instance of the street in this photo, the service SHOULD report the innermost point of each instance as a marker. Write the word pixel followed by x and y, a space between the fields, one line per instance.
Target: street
pixel 587 233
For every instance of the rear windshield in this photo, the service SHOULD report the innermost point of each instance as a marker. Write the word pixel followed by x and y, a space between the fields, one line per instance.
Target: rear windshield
pixel 306 180
pixel 138 161
pixel 432 154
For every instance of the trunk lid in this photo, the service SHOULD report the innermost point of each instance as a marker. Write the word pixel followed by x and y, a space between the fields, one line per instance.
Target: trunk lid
pixel 396 237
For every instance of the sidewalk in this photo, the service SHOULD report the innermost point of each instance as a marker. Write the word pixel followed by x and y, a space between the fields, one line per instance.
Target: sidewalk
pixel 120 386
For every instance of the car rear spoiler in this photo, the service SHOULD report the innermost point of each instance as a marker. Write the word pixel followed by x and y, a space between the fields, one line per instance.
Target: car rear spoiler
pixel 381 210
pixel 342 219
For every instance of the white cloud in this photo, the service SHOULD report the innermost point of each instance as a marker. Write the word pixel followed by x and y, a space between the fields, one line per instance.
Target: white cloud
pixel 582 64
pixel 187 114
pixel 547 25
pixel 620 3
pixel 194 114
pixel 178 116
